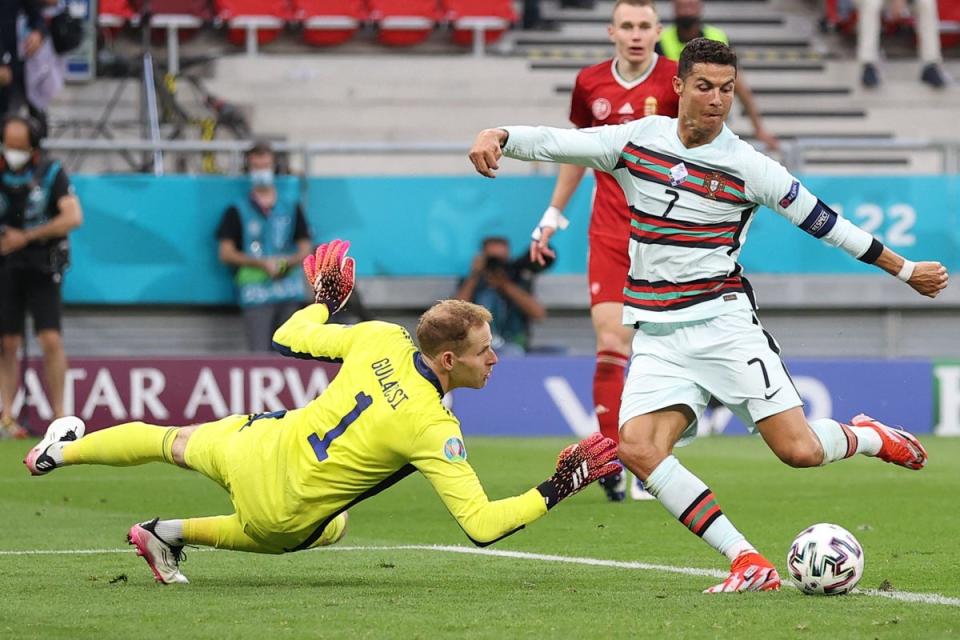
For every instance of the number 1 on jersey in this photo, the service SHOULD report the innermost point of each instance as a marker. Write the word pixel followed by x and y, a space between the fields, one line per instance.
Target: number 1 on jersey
pixel 320 445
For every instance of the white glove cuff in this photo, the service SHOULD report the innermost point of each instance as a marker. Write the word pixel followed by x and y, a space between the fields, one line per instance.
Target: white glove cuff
pixel 906 271
pixel 552 218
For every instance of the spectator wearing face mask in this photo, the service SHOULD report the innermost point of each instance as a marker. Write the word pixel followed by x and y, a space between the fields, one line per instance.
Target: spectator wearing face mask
pixel 37 210
pixel 264 236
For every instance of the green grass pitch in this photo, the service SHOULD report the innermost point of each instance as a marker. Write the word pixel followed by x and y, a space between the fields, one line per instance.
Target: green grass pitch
pixel 908 523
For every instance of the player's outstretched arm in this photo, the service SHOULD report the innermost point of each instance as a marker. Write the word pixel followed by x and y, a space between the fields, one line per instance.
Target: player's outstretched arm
pixel 769 183
pixel 485 521
pixel 596 148
pixel 926 278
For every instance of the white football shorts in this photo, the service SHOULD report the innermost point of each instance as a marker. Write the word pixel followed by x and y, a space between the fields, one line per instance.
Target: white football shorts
pixel 729 357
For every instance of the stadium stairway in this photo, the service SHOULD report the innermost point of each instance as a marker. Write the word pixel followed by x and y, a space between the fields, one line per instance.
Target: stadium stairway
pixel 807 85
pixel 805 82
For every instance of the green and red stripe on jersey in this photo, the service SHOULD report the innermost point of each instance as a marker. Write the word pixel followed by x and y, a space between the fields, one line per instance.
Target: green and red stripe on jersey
pixel 703 181
pixel 667 296
pixel 648 229
pixel 701 513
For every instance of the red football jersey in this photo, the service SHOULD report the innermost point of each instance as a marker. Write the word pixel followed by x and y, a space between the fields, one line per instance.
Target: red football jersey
pixel 601 97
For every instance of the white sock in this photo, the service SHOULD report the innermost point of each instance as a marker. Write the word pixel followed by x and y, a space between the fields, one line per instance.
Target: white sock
pixel 840 441
pixel 691 501
pixel 171 532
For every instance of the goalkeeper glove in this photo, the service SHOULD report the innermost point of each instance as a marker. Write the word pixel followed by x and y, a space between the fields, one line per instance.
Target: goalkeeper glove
pixel 331 274
pixel 578 465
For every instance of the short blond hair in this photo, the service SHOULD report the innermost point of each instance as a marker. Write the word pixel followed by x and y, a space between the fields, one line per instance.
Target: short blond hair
pixel 446 325
pixel 635 3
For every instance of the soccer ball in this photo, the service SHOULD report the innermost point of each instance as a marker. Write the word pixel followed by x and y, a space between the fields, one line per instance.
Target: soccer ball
pixel 825 559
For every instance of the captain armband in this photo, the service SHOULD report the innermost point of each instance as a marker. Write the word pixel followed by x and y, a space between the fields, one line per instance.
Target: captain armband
pixel 820 221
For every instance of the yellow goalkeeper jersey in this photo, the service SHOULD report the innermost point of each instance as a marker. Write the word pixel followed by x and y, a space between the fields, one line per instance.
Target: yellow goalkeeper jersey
pixel 380 420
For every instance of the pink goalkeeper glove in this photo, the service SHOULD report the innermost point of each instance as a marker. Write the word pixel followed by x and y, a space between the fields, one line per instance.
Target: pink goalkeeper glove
pixel 331 274
pixel 578 465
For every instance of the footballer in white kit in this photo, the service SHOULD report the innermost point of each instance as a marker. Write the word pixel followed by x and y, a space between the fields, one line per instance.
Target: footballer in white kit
pixel 690 211
pixel 692 188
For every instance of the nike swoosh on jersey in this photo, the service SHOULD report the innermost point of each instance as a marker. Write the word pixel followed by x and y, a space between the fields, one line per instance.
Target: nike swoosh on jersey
pixel 767 397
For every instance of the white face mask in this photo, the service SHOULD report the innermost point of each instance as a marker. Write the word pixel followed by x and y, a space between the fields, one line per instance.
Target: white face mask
pixel 16 158
pixel 261 178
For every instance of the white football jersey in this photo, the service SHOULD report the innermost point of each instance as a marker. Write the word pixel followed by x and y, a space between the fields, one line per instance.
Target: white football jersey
pixel 690 210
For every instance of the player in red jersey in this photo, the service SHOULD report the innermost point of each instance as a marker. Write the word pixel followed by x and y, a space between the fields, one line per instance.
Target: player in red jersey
pixel 635 83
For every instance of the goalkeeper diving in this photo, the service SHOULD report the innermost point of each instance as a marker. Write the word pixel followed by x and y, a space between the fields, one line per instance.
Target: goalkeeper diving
pixel 293 474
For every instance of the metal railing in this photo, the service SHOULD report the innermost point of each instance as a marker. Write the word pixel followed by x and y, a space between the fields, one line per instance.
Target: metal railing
pixel 793 153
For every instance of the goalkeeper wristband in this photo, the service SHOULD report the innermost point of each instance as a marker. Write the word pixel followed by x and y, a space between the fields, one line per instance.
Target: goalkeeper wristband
pixel 548 489
pixel 552 217
pixel 906 271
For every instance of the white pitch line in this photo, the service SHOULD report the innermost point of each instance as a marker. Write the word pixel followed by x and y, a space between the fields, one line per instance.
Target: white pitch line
pixel 523 555
pixel 75 552
pixel 902 596
pixel 61 552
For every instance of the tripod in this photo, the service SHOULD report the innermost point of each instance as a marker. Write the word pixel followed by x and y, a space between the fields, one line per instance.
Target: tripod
pixel 162 113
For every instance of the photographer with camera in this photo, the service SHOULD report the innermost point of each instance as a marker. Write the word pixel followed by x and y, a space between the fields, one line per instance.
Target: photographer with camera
pixel 505 287
pixel 38 209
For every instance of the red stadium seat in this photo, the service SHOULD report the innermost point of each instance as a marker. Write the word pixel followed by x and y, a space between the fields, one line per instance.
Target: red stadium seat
pixel 949 23
pixel 402 23
pixel 113 14
pixel 329 22
pixel 253 22
pixel 841 18
pixel 179 18
pixel 844 19
pixel 199 9
pixel 479 21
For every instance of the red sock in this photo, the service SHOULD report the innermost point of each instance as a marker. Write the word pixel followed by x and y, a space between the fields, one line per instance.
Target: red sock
pixel 607 387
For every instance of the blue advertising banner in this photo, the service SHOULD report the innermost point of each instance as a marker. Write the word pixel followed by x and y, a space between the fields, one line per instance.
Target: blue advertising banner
pixel 148 240
pixel 543 395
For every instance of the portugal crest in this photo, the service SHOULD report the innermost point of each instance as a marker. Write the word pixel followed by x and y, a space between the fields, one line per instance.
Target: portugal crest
pixel 714 183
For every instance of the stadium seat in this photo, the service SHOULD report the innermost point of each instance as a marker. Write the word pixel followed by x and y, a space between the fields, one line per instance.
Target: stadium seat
pixel 402 23
pixel 252 23
pixel 479 22
pixel 113 14
pixel 329 22
pixel 842 17
pixel 949 23
pixel 179 18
